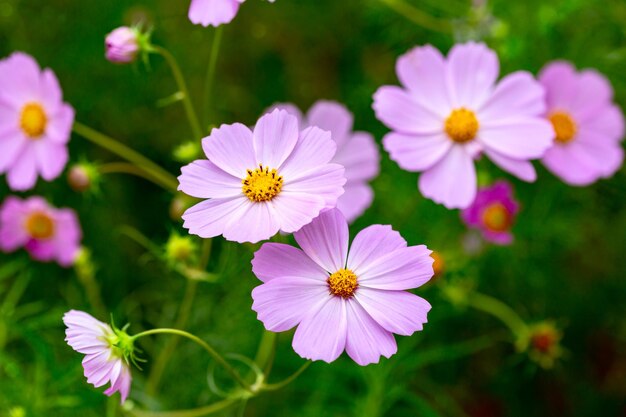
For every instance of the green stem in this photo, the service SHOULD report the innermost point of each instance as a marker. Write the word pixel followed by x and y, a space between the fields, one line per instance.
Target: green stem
pixel 161 176
pixel 196 412
pixel 265 354
pixel 127 168
pixel 182 86
pixel 499 310
pixel 418 17
pixel 92 290
pixel 289 380
pixel 210 75
pixel 212 352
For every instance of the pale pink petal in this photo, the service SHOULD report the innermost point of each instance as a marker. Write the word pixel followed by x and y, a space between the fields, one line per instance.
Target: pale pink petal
pixel 571 165
pixel 360 157
pixel 452 180
pixel 326 182
pixel 20 80
pixel 290 108
pixel 593 94
pixel 313 149
pixel 22 175
pixel 398 312
pixel 371 244
pixel 51 93
pixel 213 12
pixel 517 94
pixel 355 200
pixel 253 223
pixel 42 250
pixel 297 209
pixel 230 148
pixel 12 232
pixel 274 260
pixel 325 240
pixel 472 72
pixel 209 218
pixel 366 340
pixel 417 152
pixel 59 127
pixel 402 269
pixel 522 169
pixel 51 158
pixel 518 138
pixel 608 121
pixel 12 144
pixel 321 335
pixel 558 78
pixel 332 117
pixel 275 136
pixel 400 111
pixel 68 237
pixel 203 179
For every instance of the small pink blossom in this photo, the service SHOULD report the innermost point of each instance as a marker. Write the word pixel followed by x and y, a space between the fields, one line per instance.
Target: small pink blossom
pixel 214 12
pixel 356 151
pixel 493 213
pixel 275 178
pixel 35 123
pixel 122 45
pixel 104 361
pixel 342 298
pixel 588 124
pixel 451 109
pixel 47 233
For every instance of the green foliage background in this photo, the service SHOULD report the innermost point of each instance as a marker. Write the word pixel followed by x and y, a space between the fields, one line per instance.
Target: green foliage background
pixel 567 262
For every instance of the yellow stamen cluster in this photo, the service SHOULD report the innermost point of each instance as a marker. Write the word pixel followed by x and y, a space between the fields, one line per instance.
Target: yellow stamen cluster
pixel 33 120
pixel 564 127
pixel 497 218
pixel 462 125
pixel 262 184
pixel 343 283
pixel 39 226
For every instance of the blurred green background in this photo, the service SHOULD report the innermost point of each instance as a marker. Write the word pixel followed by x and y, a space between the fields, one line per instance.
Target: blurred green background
pixel 567 263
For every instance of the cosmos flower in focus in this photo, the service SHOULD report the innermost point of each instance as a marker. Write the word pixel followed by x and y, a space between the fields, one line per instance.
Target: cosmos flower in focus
pixel 451 110
pixel 342 298
pixel 275 178
pixel 587 124
pixel 214 12
pixel 107 351
pixel 35 123
pixel 356 151
pixel 47 233
pixel 493 213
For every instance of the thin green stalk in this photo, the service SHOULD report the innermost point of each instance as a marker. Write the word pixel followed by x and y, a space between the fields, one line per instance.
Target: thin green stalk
pixel 418 17
pixel 196 412
pixel 212 352
pixel 210 75
pixel 194 122
pixel 499 310
pixel 289 380
pixel 127 168
pixel 265 354
pixel 164 178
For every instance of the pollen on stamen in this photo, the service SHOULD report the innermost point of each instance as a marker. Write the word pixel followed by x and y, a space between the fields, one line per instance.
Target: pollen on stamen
pixel 564 127
pixel 343 283
pixel 462 125
pixel 33 120
pixel 39 226
pixel 262 184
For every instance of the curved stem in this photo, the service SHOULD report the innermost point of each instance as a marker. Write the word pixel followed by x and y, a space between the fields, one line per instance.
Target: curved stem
pixel 499 310
pixel 418 17
pixel 210 75
pixel 289 380
pixel 196 412
pixel 160 175
pixel 218 358
pixel 127 168
pixel 182 86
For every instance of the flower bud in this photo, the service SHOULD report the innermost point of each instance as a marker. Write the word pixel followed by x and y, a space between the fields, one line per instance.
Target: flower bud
pixel 123 45
pixel 542 343
pixel 180 248
pixel 81 177
pixel 188 151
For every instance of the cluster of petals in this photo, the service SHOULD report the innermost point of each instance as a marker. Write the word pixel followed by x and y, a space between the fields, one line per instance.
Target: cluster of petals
pixel 102 363
pixel 340 297
pixel 214 12
pixel 356 152
pixel 274 178
pixel 493 213
pixel 589 127
pixel 35 123
pixel 47 233
pixel 450 110
pixel 122 45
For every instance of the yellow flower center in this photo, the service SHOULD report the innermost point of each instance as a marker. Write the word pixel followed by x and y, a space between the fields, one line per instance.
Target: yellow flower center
pixel 497 218
pixel 564 127
pixel 343 283
pixel 462 125
pixel 262 184
pixel 33 120
pixel 39 226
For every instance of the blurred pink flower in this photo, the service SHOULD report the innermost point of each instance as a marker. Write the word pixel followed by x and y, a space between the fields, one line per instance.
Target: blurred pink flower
pixel 214 12
pixel 493 213
pixel 450 110
pixel 104 361
pixel 35 123
pixel 47 233
pixel 122 45
pixel 340 298
pixel 356 151
pixel 588 125
pixel 257 183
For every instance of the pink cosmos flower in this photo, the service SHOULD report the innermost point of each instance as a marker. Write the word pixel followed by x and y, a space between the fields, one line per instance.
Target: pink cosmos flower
pixel 122 45
pixel 214 12
pixel 47 233
pixel 493 213
pixel 104 361
pixel 356 151
pixel 588 125
pixel 35 123
pixel 452 109
pixel 276 178
pixel 339 297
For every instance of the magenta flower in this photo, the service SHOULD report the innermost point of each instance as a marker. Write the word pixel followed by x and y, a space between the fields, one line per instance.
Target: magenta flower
pixel 450 110
pixel 588 125
pixel 257 183
pixel 104 350
pixel 340 298
pixel 214 12
pixel 493 213
pixel 356 151
pixel 47 233
pixel 122 45
pixel 35 123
